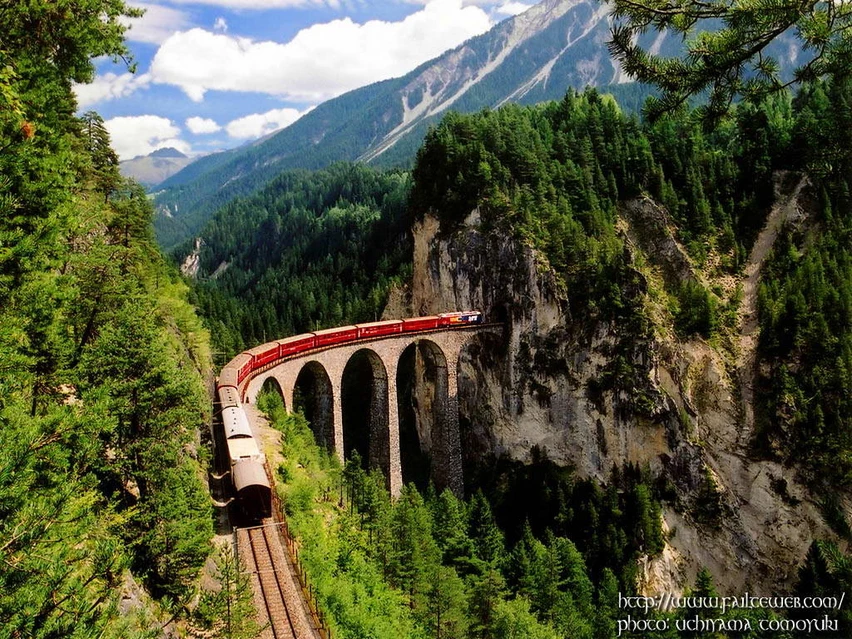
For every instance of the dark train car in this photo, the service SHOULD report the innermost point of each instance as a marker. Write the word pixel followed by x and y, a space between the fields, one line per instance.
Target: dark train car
pixel 336 335
pixel 378 329
pixel 413 324
pixel 297 344
pixel 254 495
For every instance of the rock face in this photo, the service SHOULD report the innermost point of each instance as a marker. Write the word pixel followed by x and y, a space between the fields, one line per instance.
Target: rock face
pixel 545 384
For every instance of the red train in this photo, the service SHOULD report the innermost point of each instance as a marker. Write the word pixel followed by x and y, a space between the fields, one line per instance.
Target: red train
pixel 238 369
pixel 247 462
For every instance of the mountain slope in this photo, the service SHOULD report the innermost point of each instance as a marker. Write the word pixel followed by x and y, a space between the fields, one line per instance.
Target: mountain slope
pixel 532 57
pixel 155 167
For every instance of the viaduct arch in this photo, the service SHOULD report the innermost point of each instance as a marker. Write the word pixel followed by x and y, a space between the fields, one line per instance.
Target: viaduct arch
pixel 319 376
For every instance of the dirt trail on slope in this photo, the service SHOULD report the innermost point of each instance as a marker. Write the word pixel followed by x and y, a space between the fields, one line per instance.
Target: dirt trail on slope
pixel 786 208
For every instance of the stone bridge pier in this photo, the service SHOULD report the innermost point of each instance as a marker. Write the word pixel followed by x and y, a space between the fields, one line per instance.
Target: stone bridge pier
pixel 331 380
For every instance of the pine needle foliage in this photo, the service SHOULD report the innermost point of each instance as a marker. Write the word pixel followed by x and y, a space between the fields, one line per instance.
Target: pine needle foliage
pixel 726 48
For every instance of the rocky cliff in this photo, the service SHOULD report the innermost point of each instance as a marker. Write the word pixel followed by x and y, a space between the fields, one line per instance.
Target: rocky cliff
pixel 558 382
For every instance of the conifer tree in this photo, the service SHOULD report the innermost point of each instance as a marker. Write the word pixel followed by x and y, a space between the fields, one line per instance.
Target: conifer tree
pixel 486 535
pixel 731 60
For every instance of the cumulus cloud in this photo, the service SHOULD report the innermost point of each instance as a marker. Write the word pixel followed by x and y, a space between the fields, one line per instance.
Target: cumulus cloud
pixel 263 4
pixel 202 125
pixel 321 61
pixel 142 134
pixel 156 25
pixel 109 86
pixel 220 25
pixel 512 8
pixel 259 124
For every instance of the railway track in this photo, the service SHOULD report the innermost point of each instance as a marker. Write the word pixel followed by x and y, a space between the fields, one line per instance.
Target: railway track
pixel 278 597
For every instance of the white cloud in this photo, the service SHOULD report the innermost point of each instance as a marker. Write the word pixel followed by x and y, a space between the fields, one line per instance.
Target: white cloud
pixel 202 125
pixel 109 86
pixel 220 25
pixel 512 8
pixel 156 25
pixel 142 134
pixel 259 124
pixel 263 4
pixel 321 61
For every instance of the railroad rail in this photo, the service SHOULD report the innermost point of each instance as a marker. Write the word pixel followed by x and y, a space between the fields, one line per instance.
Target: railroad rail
pixel 278 595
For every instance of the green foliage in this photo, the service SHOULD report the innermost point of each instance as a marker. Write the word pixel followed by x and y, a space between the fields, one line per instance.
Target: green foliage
pixel 344 563
pixel 610 525
pixel 438 567
pixel 696 310
pixel 310 250
pixel 44 46
pixel 48 496
pixel 728 48
pixel 805 304
pixel 554 176
pixel 227 612
pixel 826 572
pixel 101 395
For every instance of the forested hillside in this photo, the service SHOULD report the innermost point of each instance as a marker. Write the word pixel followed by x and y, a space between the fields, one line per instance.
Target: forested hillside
pixel 320 249
pixel 566 178
pixel 527 58
pixel 313 249
pixel 554 175
pixel 102 360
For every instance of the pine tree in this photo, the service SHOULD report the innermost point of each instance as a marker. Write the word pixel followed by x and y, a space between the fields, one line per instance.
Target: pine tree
pixel 731 60
pixel 449 526
pixel 483 530
pixel 486 592
pixel 446 605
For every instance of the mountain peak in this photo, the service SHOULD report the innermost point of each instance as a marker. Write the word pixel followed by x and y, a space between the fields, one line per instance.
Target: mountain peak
pixel 167 152
pixel 529 58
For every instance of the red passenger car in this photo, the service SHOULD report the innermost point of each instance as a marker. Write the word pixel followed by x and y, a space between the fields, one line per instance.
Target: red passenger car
pixel 264 354
pixel 297 344
pixel 243 363
pixel 336 335
pixel 377 329
pixel 413 324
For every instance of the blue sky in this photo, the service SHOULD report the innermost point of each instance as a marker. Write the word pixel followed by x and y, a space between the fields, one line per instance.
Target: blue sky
pixel 214 74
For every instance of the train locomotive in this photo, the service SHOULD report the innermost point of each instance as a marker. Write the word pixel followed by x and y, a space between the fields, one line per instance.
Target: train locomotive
pixel 247 462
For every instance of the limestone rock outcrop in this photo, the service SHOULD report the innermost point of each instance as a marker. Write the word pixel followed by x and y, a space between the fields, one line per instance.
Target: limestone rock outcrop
pixel 548 382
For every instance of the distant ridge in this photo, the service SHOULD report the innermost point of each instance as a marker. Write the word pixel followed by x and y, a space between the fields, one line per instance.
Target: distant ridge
pixel 155 167
pixel 535 56
pixel 168 152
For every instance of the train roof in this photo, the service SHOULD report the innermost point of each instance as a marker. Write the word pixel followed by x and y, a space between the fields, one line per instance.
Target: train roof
pixel 228 396
pixel 296 338
pixel 236 423
pixel 331 331
pixel 249 472
pixel 228 377
pixel 263 348
pixel 382 323
pixel 243 448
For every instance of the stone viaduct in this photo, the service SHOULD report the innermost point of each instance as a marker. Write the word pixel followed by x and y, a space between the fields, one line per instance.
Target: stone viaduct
pixel 322 372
